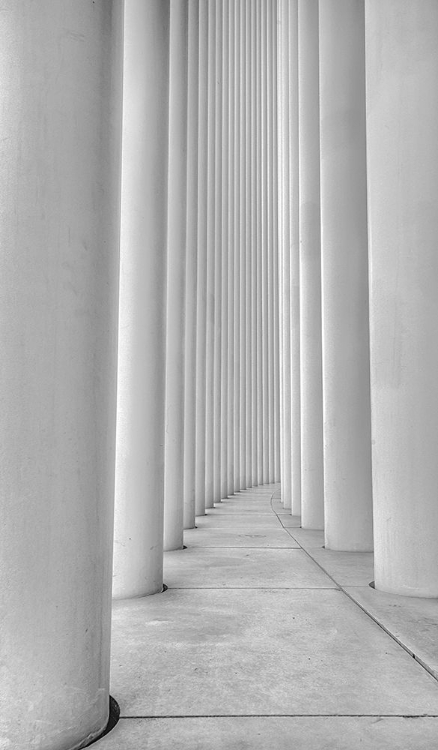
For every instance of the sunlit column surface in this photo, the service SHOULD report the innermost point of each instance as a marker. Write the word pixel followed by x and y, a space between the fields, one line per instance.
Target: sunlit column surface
pixel 312 480
pixel 231 250
pixel 236 248
pixel 190 392
pixel 402 153
pixel 60 120
pixel 138 550
pixel 176 267
pixel 344 249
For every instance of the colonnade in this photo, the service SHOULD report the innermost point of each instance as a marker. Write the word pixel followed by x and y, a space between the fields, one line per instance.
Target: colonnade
pixel 218 270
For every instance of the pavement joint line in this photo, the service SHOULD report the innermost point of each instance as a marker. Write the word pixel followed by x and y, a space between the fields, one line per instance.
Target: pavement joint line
pixel 253 588
pixel 340 587
pixel 284 716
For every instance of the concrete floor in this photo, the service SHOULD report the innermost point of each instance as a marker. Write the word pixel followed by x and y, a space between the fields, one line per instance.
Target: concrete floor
pixel 266 640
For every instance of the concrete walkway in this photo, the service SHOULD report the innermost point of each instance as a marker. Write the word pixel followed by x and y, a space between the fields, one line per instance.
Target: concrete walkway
pixel 266 640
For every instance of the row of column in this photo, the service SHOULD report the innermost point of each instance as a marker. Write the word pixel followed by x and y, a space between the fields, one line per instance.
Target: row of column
pixel 104 354
pixel 358 198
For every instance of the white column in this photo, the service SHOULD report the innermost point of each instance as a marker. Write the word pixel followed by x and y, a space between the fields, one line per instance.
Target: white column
pixel 402 145
pixel 344 248
pixel 138 550
pixel 242 249
pixel 176 267
pixel 276 199
pixel 312 480
pixel 209 354
pixel 264 238
pixel 201 306
pixel 236 249
pixel 59 228
pixel 294 268
pixel 217 187
pixel 190 393
pixel 289 211
pixel 254 393
pixel 231 250
pixel 225 246
pixel 248 250
pixel 258 244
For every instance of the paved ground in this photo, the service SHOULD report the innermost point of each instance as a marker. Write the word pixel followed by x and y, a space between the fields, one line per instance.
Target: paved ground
pixel 266 640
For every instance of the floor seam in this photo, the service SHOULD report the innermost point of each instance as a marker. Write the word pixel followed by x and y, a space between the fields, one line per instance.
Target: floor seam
pixel 284 716
pixel 341 588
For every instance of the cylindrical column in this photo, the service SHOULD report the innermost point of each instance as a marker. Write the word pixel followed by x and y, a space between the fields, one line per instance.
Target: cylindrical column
pixel 59 227
pixel 258 244
pixel 202 259
pixel 236 247
pixel 138 550
pixel 242 249
pixel 275 239
pixel 176 267
pixel 312 479
pixel 294 267
pixel 289 211
pixel 402 145
pixel 217 330
pixel 225 247
pixel 231 250
pixel 190 394
pixel 254 214
pixel 248 250
pixel 344 248
pixel 210 248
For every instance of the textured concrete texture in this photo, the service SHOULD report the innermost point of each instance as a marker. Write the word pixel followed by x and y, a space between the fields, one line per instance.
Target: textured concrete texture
pixel 255 648
pixel 269 538
pixel 282 733
pixel 243 568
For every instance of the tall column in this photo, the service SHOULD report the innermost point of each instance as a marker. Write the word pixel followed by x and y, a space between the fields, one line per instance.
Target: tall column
pixel 138 550
pixel 294 268
pixel 402 153
pixel 344 248
pixel 231 220
pixel 312 479
pixel 276 200
pixel 176 267
pixel 236 248
pixel 258 245
pixel 217 187
pixel 254 215
pixel 289 209
pixel 210 247
pixel 59 226
pixel 242 249
pixel 201 305
pixel 225 248
pixel 248 250
pixel 190 393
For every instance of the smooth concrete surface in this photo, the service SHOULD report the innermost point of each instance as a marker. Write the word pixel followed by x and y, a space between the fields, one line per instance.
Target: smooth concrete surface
pixel 413 622
pixel 243 568
pixel 402 156
pixel 270 538
pixel 176 277
pixel 289 521
pixel 278 733
pixel 201 302
pixel 348 503
pixel 60 117
pixel 312 469
pixel 347 568
pixel 263 667
pixel 139 494
pixel 190 390
pixel 307 538
pixel 239 520
pixel 209 652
